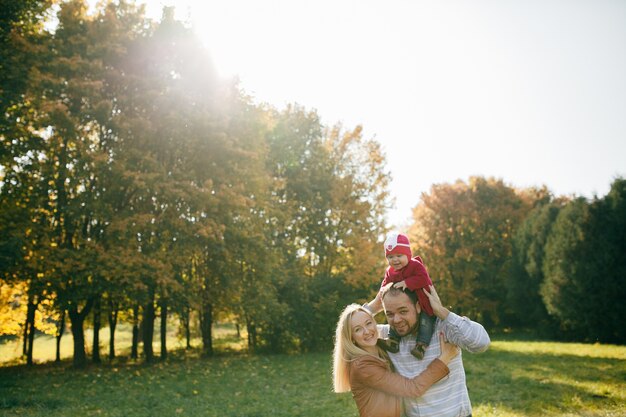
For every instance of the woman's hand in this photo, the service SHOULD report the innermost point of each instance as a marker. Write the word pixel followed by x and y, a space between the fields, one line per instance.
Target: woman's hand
pixel 439 310
pixel 448 350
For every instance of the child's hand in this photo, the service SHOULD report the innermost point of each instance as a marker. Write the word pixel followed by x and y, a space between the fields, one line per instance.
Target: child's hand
pixel 401 285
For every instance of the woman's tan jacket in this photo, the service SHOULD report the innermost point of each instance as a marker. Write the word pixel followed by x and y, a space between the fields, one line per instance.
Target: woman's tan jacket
pixel 377 390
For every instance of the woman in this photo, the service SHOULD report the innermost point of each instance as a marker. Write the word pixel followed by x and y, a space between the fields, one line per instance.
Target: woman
pixel 361 367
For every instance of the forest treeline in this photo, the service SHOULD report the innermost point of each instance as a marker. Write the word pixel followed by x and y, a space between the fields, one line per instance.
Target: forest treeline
pixel 136 184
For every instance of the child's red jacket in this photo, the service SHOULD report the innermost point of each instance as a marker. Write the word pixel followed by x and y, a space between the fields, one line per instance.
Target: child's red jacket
pixel 416 277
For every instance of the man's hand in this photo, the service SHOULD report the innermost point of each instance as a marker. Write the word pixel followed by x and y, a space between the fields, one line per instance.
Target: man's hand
pixel 439 310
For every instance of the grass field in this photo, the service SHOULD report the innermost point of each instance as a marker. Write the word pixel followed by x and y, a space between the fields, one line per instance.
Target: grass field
pixel 513 378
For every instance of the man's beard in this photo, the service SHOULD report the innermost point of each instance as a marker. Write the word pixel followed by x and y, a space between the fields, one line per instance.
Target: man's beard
pixel 412 330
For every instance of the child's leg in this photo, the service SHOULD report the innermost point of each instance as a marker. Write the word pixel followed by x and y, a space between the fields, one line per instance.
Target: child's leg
pixel 426 328
pixel 424 334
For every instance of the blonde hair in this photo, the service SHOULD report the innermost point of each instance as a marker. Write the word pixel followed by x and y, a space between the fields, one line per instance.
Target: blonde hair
pixel 345 349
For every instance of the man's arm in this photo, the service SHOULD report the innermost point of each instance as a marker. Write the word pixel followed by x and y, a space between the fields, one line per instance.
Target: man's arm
pixel 465 333
pixel 461 331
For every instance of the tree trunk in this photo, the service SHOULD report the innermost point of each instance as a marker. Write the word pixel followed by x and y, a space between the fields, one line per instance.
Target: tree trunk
pixel 206 323
pixel 77 318
pixel 31 333
pixel 184 319
pixel 29 329
pixel 147 327
pixel 25 336
pixel 59 335
pixel 251 336
pixel 163 329
pixel 26 324
pixel 97 314
pixel 488 320
pixel 134 352
pixel 113 311
pixel 188 328
pixel 238 331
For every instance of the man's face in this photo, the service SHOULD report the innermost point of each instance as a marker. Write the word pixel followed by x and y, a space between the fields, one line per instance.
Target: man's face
pixel 397 261
pixel 401 313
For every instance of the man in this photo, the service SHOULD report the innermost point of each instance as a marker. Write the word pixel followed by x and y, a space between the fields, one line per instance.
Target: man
pixel 449 397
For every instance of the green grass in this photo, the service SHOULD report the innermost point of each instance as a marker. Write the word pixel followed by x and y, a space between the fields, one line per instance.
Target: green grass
pixel 548 379
pixel 512 379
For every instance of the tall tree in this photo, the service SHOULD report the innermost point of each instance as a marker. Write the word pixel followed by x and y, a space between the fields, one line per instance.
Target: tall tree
pixel 563 247
pixel 526 275
pixel 328 197
pixel 464 233
pixel 72 158
pixel 585 266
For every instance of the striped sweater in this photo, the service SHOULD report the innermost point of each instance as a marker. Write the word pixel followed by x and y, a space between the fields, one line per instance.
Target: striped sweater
pixel 448 397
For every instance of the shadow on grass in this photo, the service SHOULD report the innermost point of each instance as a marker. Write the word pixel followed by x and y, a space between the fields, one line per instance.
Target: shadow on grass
pixel 533 384
pixel 13 403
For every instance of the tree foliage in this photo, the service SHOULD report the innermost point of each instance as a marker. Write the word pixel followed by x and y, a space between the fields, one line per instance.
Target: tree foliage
pixel 464 232
pixel 526 275
pixel 135 183
pixel 134 179
pixel 585 267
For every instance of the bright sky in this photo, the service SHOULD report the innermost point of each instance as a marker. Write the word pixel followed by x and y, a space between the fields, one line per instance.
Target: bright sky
pixel 529 91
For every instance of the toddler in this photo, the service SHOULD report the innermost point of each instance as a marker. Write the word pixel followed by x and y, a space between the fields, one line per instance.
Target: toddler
pixel 404 271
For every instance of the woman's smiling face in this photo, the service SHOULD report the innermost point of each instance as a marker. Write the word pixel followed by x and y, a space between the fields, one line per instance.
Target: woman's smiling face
pixel 364 330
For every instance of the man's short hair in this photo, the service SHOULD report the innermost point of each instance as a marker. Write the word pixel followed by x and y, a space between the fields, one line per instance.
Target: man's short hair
pixel 391 290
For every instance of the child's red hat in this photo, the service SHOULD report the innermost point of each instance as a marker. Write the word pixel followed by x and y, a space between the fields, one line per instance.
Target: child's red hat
pixel 398 243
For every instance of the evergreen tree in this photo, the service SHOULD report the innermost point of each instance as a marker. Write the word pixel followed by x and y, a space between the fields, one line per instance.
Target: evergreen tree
pixel 526 275
pixel 584 267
